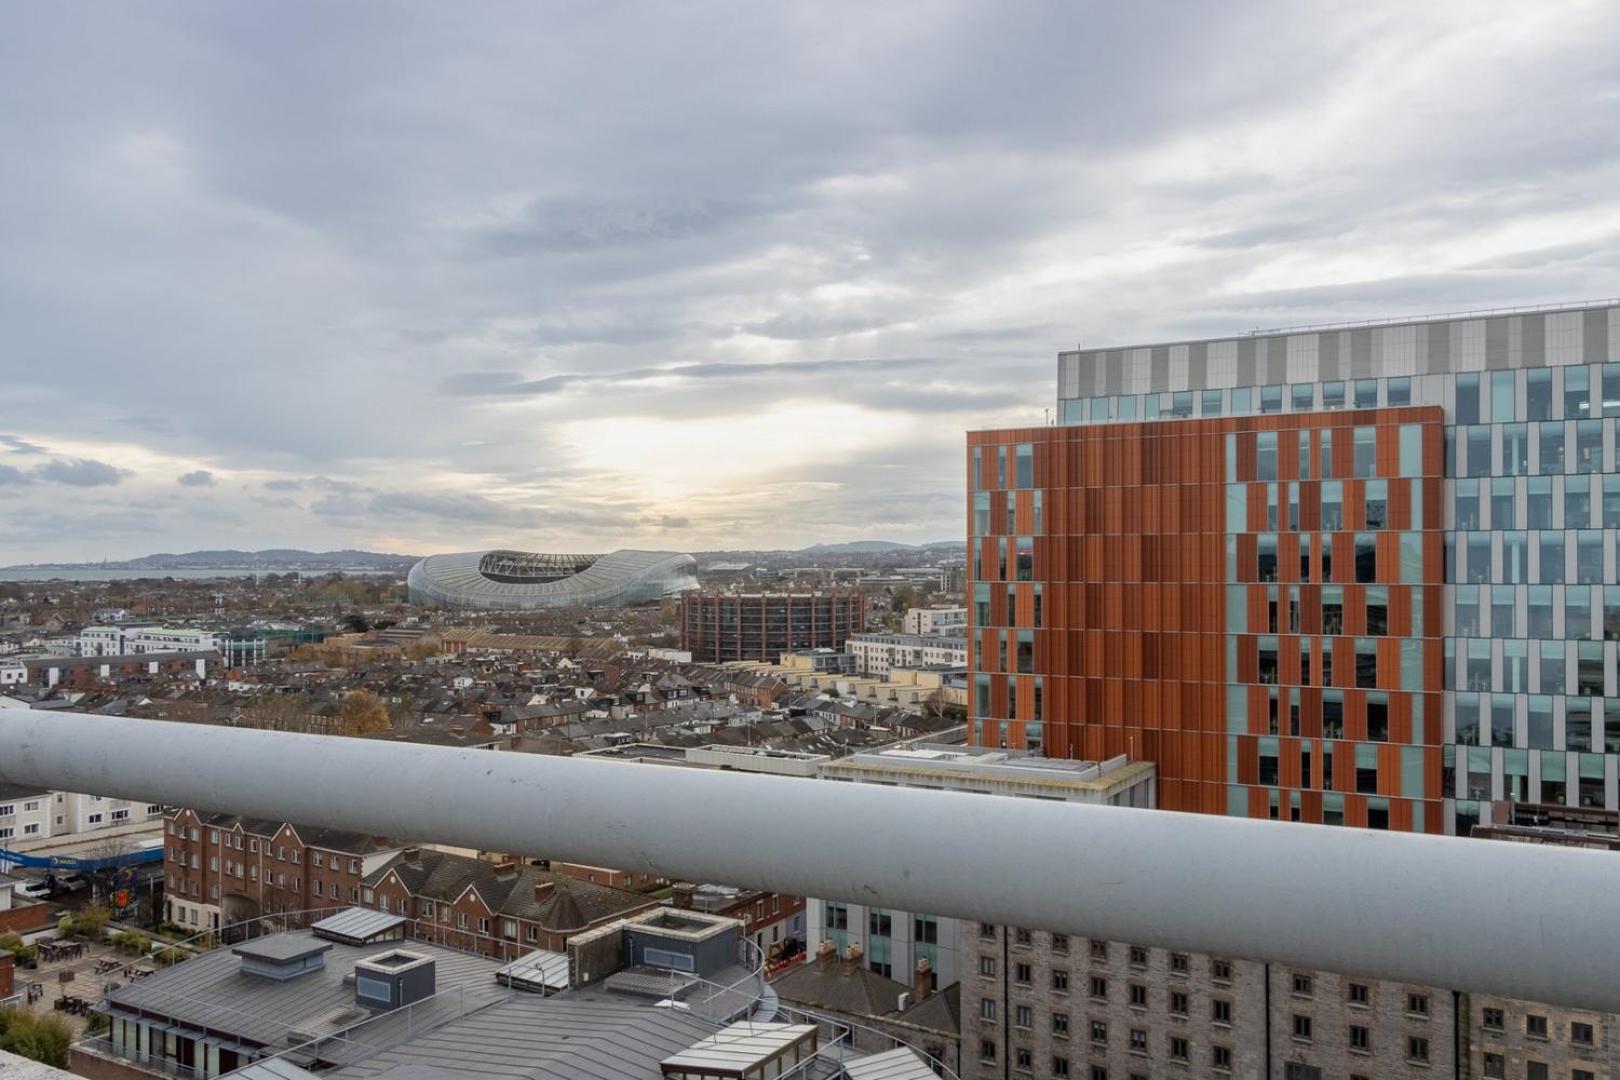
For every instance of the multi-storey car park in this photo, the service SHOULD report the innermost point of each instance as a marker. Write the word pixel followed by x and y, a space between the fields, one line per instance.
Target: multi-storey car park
pixel 1360 574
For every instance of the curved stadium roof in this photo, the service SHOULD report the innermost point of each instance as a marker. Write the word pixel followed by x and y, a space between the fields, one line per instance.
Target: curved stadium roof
pixel 525 581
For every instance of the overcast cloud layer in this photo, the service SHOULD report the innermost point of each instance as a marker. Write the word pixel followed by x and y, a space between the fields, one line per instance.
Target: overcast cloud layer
pixel 424 277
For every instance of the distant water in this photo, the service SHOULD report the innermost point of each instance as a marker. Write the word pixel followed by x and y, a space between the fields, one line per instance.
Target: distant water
pixel 136 575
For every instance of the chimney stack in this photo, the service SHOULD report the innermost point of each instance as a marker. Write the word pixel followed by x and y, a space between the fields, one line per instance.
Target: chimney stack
pixel 411 854
pixel 824 954
pixel 922 980
pixel 505 866
pixel 681 895
pixel 852 959
pixel 542 891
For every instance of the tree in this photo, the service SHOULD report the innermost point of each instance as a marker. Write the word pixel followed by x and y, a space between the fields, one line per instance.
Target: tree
pixel 277 712
pixel 44 1039
pixel 362 713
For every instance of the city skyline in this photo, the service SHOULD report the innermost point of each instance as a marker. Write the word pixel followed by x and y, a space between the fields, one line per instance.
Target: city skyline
pixel 726 279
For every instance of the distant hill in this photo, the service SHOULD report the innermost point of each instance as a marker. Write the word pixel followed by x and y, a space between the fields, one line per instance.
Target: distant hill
pixel 880 547
pixel 272 559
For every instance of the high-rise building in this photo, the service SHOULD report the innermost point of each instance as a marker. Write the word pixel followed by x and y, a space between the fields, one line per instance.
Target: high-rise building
pixel 1359 574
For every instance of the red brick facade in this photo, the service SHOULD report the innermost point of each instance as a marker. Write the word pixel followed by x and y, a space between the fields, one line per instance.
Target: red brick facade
pixel 248 868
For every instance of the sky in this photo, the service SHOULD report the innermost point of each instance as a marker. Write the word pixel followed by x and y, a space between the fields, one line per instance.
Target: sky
pixel 424 277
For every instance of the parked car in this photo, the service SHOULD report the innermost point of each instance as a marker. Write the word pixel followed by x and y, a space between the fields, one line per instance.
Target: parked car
pixel 36 890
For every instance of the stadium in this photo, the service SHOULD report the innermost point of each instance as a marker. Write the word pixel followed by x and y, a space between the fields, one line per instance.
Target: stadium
pixel 528 581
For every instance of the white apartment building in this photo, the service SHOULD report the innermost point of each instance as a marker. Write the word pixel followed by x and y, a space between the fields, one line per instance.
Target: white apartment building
pixel 936 620
pixel 135 640
pixel 25 814
pixel 892 942
pixel 876 654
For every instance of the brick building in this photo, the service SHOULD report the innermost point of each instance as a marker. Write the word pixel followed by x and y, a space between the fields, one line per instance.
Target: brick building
pixel 499 909
pixel 222 868
pixel 719 627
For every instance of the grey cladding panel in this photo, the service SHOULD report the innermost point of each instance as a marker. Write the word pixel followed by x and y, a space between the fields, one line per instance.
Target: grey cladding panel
pixel 1198 365
pixel 1327 357
pixel 1496 343
pixel 1159 370
pixel 1439 337
pixel 1114 372
pixel 1533 340
pixel 1361 354
pixel 1595 335
pixel 1276 360
pixel 1245 362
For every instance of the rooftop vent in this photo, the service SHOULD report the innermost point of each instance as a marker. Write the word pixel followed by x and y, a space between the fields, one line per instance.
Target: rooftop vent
pixel 393 979
pixel 282 957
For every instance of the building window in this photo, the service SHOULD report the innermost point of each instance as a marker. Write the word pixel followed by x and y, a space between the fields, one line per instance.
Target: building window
pixel 1535 1026
pixel 1023 974
pixel 1495 1067
pixel 987 1009
pixel 1220 1011
pixel 1099 1032
pixel 1138 1041
pixel 987 1050
pixel 1220 1058
pixel 1417 1048
pixel 1178 1048
pixel 1580 1034
pixel 1060 981
pixel 987 966
pixel 1302 1027
pixel 1099 950
pixel 1360 1038
pixel 1022 936
pixel 1492 1019
pixel 1139 997
pixel 1099 987
pixel 1139 956
pixel 1220 970
pixel 1179 963
pixel 1302 984
pixel 1417 1004
pixel 1178 1003
pixel 987 930
pixel 1023 1059
pixel 1359 995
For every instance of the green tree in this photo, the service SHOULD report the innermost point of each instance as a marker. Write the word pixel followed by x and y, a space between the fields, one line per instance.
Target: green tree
pixel 44 1039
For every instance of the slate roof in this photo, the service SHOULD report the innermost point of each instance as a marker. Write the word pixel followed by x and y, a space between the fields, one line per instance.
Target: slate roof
pixel 853 990
pixel 571 904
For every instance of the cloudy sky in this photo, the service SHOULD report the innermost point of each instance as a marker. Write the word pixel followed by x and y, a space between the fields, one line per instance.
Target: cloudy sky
pixel 423 276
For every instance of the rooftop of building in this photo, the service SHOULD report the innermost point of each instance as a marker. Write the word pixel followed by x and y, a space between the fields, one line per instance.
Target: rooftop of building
pixel 588 1032
pixel 1364 324
pixel 213 993
pixel 938 759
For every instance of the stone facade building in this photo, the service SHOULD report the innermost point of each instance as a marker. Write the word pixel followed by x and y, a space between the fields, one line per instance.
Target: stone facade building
pixel 1036 1004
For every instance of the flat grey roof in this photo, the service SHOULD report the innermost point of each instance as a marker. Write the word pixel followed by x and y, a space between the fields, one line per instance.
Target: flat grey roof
pixel 210 992
pixel 580 1035
pixel 281 948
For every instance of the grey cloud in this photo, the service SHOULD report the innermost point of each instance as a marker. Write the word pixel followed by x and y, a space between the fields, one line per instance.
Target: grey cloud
pixel 409 231
pixel 198 478
pixel 18 445
pixel 80 472
pixel 509 384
